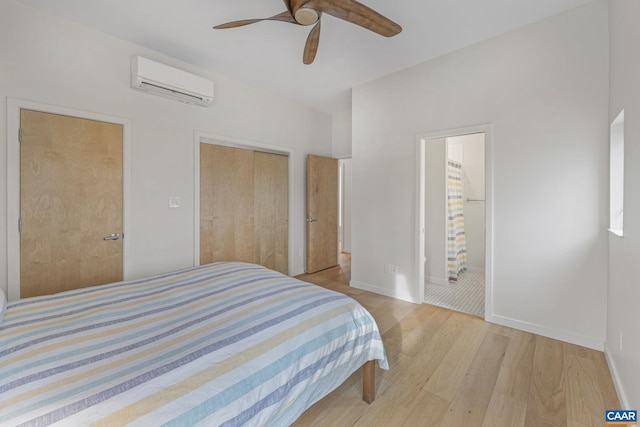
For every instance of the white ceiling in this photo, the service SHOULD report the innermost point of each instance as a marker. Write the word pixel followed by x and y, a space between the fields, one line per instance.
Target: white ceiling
pixel 268 55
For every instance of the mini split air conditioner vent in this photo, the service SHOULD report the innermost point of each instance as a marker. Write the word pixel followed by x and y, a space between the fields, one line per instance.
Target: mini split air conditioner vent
pixel 161 79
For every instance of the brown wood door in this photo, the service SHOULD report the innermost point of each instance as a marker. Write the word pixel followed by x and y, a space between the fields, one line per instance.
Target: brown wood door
pixel 322 213
pixel 271 209
pixel 70 200
pixel 244 206
pixel 226 204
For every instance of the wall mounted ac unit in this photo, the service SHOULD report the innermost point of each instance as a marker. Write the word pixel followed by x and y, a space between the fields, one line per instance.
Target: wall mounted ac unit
pixel 161 79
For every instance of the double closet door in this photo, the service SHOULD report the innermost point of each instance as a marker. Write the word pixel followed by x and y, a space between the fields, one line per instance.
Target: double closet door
pixel 244 206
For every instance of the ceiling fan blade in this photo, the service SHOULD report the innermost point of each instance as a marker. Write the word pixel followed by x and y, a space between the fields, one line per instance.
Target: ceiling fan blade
pixel 283 17
pixel 287 4
pixel 311 47
pixel 357 13
pixel 235 24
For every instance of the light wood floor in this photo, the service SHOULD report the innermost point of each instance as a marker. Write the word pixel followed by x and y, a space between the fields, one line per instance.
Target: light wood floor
pixel 453 369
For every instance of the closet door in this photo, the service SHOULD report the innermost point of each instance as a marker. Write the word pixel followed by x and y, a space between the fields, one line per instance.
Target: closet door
pixel 226 204
pixel 244 206
pixel 270 232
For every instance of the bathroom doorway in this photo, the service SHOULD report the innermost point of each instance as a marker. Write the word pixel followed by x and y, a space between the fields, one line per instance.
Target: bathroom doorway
pixel 455 215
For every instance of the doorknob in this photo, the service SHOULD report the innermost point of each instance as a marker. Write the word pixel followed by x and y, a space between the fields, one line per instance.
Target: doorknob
pixel 114 236
pixel 311 220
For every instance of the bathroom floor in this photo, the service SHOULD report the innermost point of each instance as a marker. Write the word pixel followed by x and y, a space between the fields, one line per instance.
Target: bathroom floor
pixel 467 295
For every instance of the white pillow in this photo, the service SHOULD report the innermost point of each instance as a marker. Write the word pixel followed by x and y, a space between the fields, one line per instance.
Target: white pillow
pixel 3 305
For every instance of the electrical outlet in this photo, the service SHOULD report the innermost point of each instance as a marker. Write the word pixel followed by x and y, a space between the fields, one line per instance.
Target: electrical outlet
pixel 390 269
pixel 174 202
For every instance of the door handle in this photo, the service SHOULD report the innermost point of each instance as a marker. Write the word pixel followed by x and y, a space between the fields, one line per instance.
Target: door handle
pixel 311 220
pixel 114 236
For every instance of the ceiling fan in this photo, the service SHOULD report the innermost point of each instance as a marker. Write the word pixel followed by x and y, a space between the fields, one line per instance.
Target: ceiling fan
pixel 309 12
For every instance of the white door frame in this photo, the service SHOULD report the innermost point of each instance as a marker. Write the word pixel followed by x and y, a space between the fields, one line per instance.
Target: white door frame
pixel 341 203
pixel 419 232
pixel 14 106
pixel 228 141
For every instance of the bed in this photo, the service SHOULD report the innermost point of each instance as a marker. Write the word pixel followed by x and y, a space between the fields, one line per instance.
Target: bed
pixel 222 344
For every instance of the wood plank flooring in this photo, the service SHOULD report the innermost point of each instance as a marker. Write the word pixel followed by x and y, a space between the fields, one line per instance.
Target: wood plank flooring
pixel 453 369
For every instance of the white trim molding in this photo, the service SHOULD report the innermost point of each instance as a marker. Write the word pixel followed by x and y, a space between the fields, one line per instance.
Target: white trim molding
pixel 581 340
pixel 14 106
pixel 386 292
pixel 617 381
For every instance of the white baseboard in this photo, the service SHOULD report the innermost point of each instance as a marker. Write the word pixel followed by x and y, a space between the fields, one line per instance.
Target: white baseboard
pixel 617 382
pixel 384 291
pixel 589 342
pixel 440 281
pixel 436 281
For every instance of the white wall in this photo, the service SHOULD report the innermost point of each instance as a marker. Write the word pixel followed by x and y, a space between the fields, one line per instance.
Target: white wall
pixel 624 253
pixel 53 61
pixel 455 149
pixel 435 219
pixel 544 88
pixel 473 188
pixel 339 107
pixel 347 197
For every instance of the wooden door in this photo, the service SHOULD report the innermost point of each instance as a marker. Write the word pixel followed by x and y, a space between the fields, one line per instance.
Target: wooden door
pixel 322 213
pixel 226 204
pixel 70 200
pixel 271 209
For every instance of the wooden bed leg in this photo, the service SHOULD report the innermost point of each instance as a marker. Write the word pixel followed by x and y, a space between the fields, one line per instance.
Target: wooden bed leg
pixel 369 381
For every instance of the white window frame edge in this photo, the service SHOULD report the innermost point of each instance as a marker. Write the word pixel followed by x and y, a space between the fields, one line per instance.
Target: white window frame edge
pixel 14 105
pixel 229 141
pixel 618 121
pixel 419 231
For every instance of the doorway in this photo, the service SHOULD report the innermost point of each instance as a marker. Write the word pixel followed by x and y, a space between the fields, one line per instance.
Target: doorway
pixel 344 216
pixel 344 235
pixel 454 219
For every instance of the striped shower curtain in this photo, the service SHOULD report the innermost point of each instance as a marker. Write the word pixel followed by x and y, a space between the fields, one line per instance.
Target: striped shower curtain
pixel 456 241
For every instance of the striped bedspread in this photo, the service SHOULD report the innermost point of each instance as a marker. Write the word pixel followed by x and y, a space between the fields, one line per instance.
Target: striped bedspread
pixel 222 344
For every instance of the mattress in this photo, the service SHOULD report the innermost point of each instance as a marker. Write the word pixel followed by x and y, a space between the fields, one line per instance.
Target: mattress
pixel 223 344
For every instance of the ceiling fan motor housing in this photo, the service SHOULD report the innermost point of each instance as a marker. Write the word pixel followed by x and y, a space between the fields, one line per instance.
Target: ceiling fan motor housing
pixel 306 16
pixel 308 12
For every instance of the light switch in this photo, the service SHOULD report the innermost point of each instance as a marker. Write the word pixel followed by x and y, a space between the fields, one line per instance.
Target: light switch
pixel 174 202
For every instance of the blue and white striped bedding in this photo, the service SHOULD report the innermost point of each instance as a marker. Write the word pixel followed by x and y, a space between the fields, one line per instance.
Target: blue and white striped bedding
pixel 223 344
